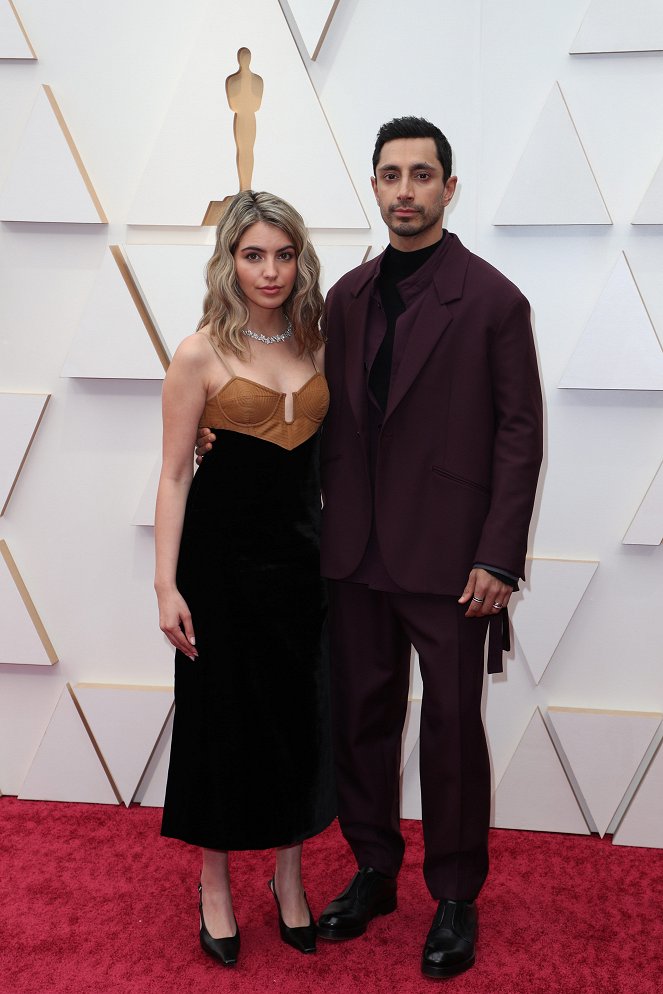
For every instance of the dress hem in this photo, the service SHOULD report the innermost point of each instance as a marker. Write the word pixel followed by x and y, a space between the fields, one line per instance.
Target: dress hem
pixel 301 837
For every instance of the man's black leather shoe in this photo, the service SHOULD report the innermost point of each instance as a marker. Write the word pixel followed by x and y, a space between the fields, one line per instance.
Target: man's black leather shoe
pixel 369 893
pixel 449 947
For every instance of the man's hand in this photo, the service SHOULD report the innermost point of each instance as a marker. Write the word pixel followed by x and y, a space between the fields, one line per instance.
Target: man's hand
pixel 204 442
pixel 486 594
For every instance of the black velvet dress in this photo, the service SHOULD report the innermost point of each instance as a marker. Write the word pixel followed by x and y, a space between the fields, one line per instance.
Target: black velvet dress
pixel 250 764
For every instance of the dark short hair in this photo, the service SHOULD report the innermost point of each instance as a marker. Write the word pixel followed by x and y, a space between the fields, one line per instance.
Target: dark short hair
pixel 414 127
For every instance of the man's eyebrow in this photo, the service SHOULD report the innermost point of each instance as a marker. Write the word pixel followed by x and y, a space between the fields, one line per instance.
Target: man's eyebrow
pixel 414 166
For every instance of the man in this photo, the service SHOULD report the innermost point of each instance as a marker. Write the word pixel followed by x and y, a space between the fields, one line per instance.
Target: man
pixel 431 452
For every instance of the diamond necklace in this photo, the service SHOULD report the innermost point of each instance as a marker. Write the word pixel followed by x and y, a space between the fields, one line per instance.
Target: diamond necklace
pixel 268 339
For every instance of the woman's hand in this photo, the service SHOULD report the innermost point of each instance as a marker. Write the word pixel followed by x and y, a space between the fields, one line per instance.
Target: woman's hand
pixel 174 615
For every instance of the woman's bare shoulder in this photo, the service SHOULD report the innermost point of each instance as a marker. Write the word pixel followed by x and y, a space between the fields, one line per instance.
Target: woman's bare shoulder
pixel 194 350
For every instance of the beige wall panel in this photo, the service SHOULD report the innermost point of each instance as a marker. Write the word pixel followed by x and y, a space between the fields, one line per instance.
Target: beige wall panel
pixel 647 525
pixel 410 731
pixel 179 183
pixel 554 150
pixel 313 18
pixel 619 348
pixel 602 751
pixel 23 638
pixel 542 612
pixel 650 210
pixel 126 723
pixel 336 260
pixel 48 181
pixel 410 786
pixel 410 781
pixel 152 789
pixel 642 825
pixel 111 339
pixel 171 280
pixel 145 511
pixel 20 417
pixel 534 792
pixel 615 26
pixel 14 42
pixel 66 766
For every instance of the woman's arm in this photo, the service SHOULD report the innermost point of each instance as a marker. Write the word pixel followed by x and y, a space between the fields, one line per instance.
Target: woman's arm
pixel 184 395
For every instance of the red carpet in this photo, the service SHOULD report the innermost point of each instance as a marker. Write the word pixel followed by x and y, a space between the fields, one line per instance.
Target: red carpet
pixel 92 901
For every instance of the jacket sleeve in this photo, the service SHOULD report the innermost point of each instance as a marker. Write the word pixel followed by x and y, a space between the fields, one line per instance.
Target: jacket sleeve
pixel 518 440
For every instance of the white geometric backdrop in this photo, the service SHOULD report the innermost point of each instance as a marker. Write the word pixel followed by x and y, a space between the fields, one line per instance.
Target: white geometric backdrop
pixel 560 158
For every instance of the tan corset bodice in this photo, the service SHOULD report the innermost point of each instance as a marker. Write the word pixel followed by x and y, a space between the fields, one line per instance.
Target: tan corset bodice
pixel 250 408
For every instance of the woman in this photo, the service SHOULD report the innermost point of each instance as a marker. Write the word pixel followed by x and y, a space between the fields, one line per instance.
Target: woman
pixel 237 570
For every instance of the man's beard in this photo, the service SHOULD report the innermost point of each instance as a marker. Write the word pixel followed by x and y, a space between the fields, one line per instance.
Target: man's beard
pixel 405 228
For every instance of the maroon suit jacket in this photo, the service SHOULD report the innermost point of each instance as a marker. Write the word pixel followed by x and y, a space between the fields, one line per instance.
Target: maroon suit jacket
pixel 461 442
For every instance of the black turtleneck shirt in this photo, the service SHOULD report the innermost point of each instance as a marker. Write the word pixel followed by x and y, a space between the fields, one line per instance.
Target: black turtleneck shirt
pixel 396 266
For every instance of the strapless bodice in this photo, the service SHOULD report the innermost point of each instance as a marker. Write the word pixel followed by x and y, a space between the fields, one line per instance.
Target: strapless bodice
pixel 244 406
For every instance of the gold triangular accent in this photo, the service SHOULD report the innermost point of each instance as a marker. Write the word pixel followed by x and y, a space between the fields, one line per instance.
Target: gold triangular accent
pixel 27 600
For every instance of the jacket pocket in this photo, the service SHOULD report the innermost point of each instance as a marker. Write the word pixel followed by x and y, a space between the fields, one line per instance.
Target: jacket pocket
pixel 461 480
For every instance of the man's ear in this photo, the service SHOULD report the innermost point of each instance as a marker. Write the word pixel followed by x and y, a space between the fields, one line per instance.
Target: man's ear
pixel 449 190
pixel 374 185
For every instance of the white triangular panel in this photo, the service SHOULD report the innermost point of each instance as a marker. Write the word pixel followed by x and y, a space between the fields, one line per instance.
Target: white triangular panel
pixel 642 825
pixel 111 340
pixel 410 731
pixel 294 153
pixel 66 766
pixel 14 43
pixel 615 26
pixel 152 790
pixel 126 723
pixel 650 210
pixel 534 792
pixel 145 511
pixel 534 194
pixel 313 18
pixel 411 786
pixel 647 525
pixel 603 750
pixel 554 591
pixel 20 415
pixel 171 280
pixel 23 638
pixel 47 180
pixel 619 349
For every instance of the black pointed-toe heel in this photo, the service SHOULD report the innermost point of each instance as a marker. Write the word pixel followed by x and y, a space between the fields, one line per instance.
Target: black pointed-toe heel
pixel 225 950
pixel 300 937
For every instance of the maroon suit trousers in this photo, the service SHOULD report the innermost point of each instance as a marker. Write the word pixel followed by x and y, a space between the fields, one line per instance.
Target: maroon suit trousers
pixel 371 632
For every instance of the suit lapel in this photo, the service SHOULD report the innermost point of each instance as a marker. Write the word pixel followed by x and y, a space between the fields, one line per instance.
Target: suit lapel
pixel 428 321
pixel 428 318
pixel 356 325
pixel 356 320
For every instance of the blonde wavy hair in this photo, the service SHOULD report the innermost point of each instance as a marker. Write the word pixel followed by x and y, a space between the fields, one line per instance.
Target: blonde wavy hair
pixel 224 308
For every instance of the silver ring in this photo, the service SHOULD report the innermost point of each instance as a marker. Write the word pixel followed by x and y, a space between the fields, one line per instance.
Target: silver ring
pixel 479 600
pixel 497 606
